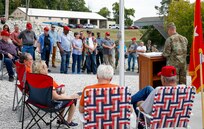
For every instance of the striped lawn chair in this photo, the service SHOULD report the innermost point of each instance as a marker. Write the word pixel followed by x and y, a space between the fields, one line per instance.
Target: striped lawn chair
pixel 172 107
pixel 107 108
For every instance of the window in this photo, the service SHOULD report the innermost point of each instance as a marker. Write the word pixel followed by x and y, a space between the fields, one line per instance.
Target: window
pixel 36 17
pixel 50 18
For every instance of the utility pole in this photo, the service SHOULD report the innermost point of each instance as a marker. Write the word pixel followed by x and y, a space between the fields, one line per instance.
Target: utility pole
pixel 27 7
pixel 122 42
pixel 6 9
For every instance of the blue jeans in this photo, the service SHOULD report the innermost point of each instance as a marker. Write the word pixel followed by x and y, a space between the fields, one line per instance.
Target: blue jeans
pixel 65 56
pixel 133 58
pixel 28 49
pixel 45 55
pixel 9 66
pixel 91 63
pixel 141 96
pixel 76 59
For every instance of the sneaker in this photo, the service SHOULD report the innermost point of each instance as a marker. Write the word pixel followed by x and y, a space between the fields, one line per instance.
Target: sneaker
pixel 127 69
pixel 11 78
pixel 66 123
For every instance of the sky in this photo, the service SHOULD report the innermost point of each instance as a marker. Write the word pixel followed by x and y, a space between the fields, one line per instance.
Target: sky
pixel 143 8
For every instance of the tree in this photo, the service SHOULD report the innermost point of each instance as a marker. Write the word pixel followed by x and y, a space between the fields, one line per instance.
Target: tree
pixel 128 14
pixel 163 9
pixel 2 9
pixel 104 12
pixel 77 5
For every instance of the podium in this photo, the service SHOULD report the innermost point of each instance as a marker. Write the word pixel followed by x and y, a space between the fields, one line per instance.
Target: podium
pixel 150 65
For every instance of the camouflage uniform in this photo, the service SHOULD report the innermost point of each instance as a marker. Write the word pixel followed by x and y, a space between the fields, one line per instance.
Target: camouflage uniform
pixel 175 51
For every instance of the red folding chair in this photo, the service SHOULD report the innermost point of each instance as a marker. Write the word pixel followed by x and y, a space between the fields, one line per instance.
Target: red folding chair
pixel 19 87
pixel 107 108
pixel 171 109
pixel 40 99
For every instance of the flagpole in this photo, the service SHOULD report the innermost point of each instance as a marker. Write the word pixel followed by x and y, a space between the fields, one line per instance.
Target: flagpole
pixel 122 41
pixel 201 85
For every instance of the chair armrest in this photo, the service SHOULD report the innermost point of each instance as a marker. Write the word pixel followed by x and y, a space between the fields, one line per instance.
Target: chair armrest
pixel 145 114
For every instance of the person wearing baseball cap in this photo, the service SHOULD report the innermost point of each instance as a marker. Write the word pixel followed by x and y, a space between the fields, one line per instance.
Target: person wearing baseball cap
pixel 45 44
pixel 55 38
pixel 65 45
pixel 145 97
pixel 10 52
pixel 29 39
pixel 132 54
pixel 108 50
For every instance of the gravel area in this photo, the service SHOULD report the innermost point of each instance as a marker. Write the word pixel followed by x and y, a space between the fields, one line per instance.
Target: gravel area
pixel 74 83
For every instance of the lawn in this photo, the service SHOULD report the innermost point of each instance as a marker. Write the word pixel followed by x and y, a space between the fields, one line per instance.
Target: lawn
pixel 129 33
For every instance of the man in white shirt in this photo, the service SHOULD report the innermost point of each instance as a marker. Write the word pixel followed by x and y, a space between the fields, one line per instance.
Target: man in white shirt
pixel 140 49
pixel 90 50
pixel 145 97
pixel 64 46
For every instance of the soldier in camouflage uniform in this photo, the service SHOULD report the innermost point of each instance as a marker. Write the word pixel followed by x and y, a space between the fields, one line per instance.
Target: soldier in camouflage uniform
pixel 175 51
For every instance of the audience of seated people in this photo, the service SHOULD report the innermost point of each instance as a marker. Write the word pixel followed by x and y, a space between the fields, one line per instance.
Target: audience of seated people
pixel 104 76
pixel 10 52
pixel 40 67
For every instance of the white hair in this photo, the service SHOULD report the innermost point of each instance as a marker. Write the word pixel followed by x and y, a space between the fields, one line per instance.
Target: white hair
pixel 105 72
pixel 168 80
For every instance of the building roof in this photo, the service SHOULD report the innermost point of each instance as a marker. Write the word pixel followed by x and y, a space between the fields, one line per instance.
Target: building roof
pixel 61 13
pixel 149 21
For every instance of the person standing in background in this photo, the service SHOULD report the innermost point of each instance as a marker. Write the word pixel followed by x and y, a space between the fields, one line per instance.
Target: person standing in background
pixel 65 46
pixel 14 37
pixel 99 55
pixel 175 51
pixel 45 46
pixel 149 46
pixel 132 50
pixel 28 40
pixel 140 49
pixel 90 45
pixel 108 50
pixel 77 53
pixel 55 38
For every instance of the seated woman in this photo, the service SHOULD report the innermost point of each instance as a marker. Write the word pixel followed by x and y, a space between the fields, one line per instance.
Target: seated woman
pixel 40 67
pixel 27 59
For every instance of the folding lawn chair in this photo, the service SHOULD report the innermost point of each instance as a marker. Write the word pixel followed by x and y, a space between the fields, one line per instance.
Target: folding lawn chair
pixel 19 86
pixel 2 66
pixel 40 99
pixel 107 108
pixel 171 109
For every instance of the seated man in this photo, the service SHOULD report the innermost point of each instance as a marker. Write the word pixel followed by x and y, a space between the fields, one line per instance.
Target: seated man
pixel 40 67
pixel 145 97
pixel 27 60
pixel 104 76
pixel 10 53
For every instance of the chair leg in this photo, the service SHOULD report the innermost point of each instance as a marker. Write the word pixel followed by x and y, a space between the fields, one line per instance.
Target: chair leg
pixel 146 126
pixel 23 110
pixel 14 99
pixel 138 119
pixel 50 120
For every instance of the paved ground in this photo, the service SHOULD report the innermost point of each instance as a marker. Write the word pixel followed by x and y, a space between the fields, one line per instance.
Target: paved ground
pixel 74 83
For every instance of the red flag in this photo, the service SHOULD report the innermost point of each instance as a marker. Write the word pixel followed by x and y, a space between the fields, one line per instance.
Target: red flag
pixel 197 47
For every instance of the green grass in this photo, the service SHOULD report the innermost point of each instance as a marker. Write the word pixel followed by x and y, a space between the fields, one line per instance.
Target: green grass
pixel 113 33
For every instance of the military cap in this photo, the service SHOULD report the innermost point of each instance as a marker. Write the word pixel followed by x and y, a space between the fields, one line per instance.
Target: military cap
pixel 171 24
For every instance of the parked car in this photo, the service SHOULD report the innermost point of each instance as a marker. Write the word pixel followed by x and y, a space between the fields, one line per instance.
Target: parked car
pixel 71 26
pixel 114 26
pixel 88 26
pixel 136 27
pixel 79 26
